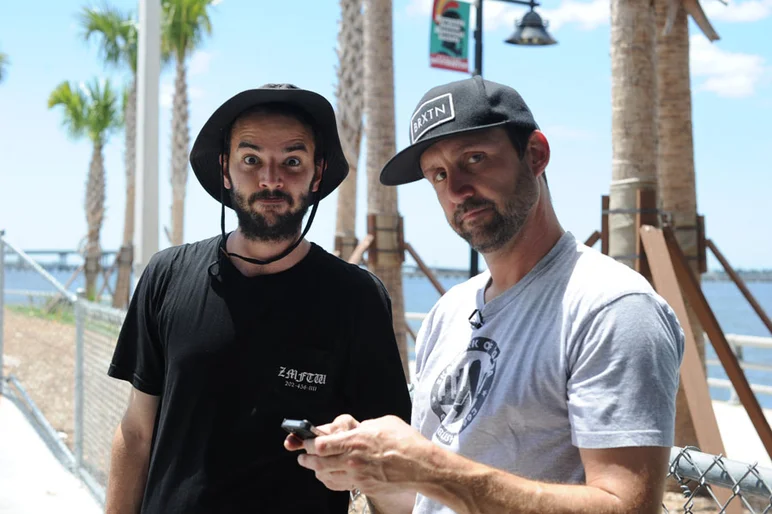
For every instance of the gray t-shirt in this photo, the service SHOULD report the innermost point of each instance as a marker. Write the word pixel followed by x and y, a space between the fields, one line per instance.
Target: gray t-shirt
pixel 580 353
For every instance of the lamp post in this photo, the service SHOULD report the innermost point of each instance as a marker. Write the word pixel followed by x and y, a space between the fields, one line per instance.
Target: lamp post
pixel 529 31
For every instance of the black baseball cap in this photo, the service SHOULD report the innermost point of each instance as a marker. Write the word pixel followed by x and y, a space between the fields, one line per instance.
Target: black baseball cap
pixel 205 154
pixel 455 108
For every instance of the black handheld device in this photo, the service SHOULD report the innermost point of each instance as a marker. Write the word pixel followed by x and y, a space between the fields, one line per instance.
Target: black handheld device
pixel 301 428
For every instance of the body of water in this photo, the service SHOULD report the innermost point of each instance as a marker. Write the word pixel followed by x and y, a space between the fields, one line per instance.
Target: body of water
pixel 733 312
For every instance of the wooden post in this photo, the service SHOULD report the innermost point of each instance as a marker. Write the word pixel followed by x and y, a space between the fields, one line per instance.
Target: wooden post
pixel 646 206
pixel 604 231
pixel 740 284
pixel 425 269
pixel 693 378
pixel 699 304
pixel 388 244
pixel 345 246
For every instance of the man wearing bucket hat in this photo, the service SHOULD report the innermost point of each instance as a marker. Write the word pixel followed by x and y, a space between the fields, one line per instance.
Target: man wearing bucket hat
pixel 547 383
pixel 226 337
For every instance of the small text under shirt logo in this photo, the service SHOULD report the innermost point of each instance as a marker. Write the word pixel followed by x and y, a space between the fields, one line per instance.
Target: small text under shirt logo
pixel 303 380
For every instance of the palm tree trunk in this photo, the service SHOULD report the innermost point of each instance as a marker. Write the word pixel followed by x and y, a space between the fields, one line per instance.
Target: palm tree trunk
pixel 350 96
pixel 95 208
pixel 123 282
pixel 180 143
pixel 633 118
pixel 381 145
pixel 675 164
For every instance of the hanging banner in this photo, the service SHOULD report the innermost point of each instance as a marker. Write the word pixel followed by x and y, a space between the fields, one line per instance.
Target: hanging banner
pixel 449 40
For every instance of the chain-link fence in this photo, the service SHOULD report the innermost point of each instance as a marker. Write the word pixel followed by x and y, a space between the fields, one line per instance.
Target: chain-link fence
pixel 55 349
pixel 699 474
pixel 57 364
pixel 100 400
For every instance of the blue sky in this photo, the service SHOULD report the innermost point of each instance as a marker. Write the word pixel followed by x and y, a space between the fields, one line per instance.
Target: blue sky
pixel 568 87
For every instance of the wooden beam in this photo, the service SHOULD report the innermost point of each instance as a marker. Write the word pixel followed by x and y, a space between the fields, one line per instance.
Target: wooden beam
pixel 594 238
pixel 364 244
pixel 646 214
pixel 701 308
pixel 740 285
pixel 693 378
pixel 694 9
pixel 410 331
pixel 425 269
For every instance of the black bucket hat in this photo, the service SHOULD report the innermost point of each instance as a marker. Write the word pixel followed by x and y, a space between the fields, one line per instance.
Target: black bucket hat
pixel 455 108
pixel 205 154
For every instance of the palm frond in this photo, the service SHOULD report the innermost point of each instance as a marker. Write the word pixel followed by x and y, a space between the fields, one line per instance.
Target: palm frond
pixel 3 65
pixel 103 112
pixel 185 23
pixel 116 33
pixel 73 102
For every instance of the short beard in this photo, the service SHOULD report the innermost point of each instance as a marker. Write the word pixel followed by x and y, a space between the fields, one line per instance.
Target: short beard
pixel 505 225
pixel 255 225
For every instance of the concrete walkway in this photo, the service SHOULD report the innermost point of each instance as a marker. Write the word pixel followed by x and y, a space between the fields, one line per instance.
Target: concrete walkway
pixel 32 480
pixel 741 442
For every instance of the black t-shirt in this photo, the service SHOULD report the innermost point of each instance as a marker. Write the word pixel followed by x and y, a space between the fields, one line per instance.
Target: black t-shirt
pixel 232 356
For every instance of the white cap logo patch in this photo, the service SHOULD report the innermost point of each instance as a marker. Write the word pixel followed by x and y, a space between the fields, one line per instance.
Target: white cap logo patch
pixel 431 113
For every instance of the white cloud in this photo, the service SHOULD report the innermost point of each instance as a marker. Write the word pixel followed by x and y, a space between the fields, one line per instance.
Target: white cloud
pixel 497 15
pixel 199 63
pixel 419 8
pixel 728 74
pixel 591 14
pixel 167 94
pixel 588 15
pixel 738 11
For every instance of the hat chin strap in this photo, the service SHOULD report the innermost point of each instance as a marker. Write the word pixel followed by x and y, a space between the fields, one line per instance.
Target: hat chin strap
pixel 286 252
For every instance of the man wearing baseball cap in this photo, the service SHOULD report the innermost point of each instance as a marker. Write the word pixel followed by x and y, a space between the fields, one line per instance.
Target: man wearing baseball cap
pixel 227 337
pixel 547 383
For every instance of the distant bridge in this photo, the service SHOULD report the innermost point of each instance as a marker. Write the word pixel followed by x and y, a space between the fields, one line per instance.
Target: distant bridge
pixel 71 260
pixel 56 260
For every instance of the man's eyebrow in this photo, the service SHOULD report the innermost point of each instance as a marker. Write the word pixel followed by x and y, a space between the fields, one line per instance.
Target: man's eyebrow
pixel 295 147
pixel 244 144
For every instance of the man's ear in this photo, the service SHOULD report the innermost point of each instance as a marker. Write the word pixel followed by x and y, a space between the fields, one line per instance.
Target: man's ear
pixel 225 173
pixel 538 152
pixel 318 171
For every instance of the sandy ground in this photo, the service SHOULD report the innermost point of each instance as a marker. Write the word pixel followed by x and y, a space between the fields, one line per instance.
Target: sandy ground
pixel 41 354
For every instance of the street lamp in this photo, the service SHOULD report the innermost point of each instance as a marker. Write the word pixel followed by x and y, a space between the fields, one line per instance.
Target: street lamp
pixel 529 31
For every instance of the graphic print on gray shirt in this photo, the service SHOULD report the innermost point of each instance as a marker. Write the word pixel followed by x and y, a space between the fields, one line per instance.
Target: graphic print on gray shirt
pixel 580 353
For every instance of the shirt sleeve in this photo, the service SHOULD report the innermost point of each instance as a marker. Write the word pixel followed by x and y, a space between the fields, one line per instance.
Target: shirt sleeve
pixel 378 385
pixel 139 357
pixel 623 375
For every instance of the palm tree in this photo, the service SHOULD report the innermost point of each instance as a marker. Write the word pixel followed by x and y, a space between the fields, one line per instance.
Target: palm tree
pixel 116 34
pixel 381 145
pixel 3 65
pixel 185 24
pixel 350 95
pixel 91 111
pixel 633 118
pixel 675 161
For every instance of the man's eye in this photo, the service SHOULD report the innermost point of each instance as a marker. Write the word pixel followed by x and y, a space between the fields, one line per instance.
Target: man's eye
pixel 440 176
pixel 250 159
pixel 475 158
pixel 293 161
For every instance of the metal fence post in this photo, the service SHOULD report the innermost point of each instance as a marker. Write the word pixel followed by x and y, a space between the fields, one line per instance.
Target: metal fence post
pixel 2 306
pixel 80 322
